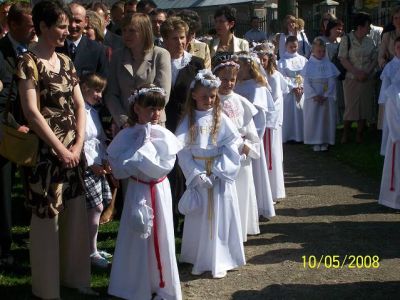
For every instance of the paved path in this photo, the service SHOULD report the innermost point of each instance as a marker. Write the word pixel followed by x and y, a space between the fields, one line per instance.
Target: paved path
pixel 330 210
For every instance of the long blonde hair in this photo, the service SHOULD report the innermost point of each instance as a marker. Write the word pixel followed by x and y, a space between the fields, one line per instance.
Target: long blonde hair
pixel 190 108
pixel 255 71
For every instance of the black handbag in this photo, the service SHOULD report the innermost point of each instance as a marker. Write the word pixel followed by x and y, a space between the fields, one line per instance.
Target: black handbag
pixel 336 61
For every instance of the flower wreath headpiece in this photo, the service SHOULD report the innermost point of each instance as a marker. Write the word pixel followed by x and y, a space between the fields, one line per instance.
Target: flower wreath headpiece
pixel 226 64
pixel 142 91
pixel 251 56
pixel 213 82
pixel 269 49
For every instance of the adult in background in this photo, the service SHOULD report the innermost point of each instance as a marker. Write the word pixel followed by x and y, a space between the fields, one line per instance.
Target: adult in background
pixel 111 39
pixel 194 46
pixel 138 63
pixel 386 48
pixel 88 56
pixel 20 34
pixel 130 7
pixel 326 17
pixel 59 245
pixel 332 37
pixel 226 41
pixel 158 16
pixel 4 9
pixel 117 14
pixel 359 86
pixel 289 28
pixel 184 67
pixel 146 6
pixel 255 34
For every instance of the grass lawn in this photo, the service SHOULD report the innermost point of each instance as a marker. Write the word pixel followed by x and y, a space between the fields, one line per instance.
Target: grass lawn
pixel 15 283
pixel 365 157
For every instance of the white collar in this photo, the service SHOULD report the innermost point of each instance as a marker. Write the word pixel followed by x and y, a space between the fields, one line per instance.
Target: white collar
pixel 69 42
pixel 183 61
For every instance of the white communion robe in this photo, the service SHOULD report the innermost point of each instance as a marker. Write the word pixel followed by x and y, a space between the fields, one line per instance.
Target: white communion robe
pixel 390 185
pixel 319 119
pixel 389 75
pixel 290 66
pixel 148 153
pixel 273 138
pixel 212 234
pixel 267 117
pixel 240 111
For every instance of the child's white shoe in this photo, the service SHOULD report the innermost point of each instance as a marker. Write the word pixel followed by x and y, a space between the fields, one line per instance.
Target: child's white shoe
pixel 220 275
pixel 324 147
pixel 197 273
pixel 317 148
pixel 98 261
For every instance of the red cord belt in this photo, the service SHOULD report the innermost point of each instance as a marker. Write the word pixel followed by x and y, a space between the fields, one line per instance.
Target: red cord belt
pixel 152 185
pixel 268 148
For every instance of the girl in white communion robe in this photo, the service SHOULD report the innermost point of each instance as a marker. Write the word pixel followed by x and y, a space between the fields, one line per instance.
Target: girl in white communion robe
pixel 252 85
pixel 273 136
pixel 144 261
pixel 390 185
pixel 240 111
pixel 212 235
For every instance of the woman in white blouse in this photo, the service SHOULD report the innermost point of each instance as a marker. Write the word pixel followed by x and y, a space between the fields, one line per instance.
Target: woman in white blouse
pixel 226 41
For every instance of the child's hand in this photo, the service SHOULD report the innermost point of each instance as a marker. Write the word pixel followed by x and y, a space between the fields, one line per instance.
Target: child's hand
pixel 23 129
pixel 97 170
pixel 114 182
pixel 107 167
pixel 245 150
pixel 298 93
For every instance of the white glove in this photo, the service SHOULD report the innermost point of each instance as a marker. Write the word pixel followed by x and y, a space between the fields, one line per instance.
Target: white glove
pixel 213 178
pixel 202 180
pixel 147 134
pixel 243 157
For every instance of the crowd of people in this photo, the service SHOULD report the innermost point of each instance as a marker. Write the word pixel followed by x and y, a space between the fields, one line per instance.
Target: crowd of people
pixel 128 101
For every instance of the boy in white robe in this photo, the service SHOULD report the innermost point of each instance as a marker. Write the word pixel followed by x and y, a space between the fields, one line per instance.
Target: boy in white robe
pixel 290 65
pixel 144 260
pixel 389 75
pixel 210 160
pixel 390 185
pixel 319 109
pixel 240 111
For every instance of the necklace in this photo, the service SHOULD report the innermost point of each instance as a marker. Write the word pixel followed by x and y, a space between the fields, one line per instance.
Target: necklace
pixel 53 65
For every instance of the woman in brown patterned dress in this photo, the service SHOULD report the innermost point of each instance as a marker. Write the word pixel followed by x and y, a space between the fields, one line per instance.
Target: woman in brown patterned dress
pixel 59 245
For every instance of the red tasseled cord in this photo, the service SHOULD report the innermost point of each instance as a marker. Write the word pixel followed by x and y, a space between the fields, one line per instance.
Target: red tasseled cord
pixel 155 231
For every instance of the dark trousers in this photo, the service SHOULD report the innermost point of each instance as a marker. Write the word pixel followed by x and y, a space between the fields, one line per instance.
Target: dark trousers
pixel 5 205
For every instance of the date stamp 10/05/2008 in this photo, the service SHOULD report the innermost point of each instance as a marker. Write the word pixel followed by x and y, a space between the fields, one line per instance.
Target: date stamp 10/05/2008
pixel 340 262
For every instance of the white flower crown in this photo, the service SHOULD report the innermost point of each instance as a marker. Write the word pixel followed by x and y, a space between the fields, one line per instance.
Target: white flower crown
pixel 213 82
pixel 142 91
pixel 226 64
pixel 251 56
pixel 270 49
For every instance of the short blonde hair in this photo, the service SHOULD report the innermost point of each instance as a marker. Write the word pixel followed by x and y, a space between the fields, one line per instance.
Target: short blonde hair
pixel 143 24
pixel 173 24
pixel 97 24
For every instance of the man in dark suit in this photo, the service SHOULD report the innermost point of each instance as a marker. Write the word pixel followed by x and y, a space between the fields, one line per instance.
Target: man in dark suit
pixel 21 33
pixel 111 39
pixel 158 16
pixel 117 14
pixel 88 56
